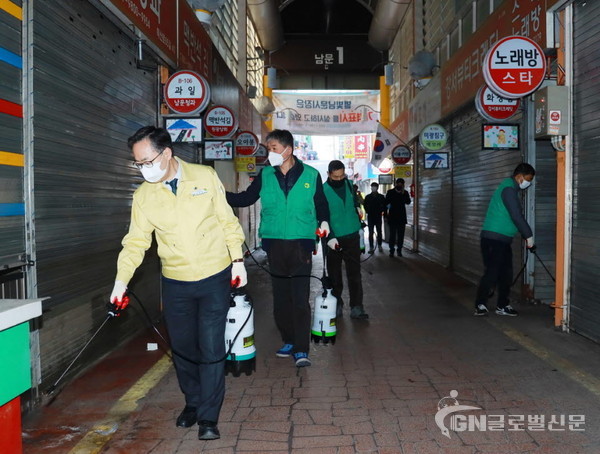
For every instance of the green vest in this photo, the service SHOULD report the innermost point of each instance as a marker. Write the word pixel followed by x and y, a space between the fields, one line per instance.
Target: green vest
pixel 343 217
pixel 498 219
pixel 288 218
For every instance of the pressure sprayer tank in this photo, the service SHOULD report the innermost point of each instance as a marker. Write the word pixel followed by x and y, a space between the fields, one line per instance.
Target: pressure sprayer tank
pixel 240 319
pixel 324 316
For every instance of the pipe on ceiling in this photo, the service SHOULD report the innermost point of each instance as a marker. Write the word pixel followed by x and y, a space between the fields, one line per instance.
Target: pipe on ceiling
pixel 267 21
pixel 386 20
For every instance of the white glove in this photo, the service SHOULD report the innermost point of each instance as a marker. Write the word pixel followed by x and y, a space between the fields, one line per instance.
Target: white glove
pixel 323 230
pixel 118 292
pixel 530 242
pixel 239 277
pixel 333 244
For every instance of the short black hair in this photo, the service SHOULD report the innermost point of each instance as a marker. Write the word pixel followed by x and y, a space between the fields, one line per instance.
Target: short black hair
pixel 524 169
pixel 158 137
pixel 335 165
pixel 283 136
pixel 399 180
pixel 375 184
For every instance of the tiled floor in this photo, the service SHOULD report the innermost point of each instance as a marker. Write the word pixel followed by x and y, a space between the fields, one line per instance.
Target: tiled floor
pixel 376 390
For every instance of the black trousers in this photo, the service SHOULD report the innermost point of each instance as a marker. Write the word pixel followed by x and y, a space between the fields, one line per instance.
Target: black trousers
pixel 374 223
pixel 195 313
pixel 396 234
pixel 349 254
pixel 498 271
pixel 291 306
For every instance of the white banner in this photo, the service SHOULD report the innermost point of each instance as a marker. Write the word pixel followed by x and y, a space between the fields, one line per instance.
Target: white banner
pixel 321 113
pixel 385 142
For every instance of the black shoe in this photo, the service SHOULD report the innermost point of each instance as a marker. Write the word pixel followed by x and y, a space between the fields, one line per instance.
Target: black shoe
pixel 399 252
pixel 208 430
pixel 391 252
pixel 187 418
pixel 481 309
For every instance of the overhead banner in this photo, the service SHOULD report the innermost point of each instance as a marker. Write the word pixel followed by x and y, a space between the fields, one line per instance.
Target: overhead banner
pixel 321 113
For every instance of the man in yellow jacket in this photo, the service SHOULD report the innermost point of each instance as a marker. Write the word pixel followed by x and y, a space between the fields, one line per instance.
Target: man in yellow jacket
pixel 200 247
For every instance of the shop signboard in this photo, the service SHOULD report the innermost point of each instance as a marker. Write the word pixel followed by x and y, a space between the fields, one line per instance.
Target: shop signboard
pixel 220 121
pixel 514 67
pixel 246 143
pixel 492 106
pixel 261 155
pixel 187 92
pixel 401 154
pixel 433 137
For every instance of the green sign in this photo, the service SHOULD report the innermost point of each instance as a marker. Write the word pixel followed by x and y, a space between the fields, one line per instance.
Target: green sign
pixel 433 137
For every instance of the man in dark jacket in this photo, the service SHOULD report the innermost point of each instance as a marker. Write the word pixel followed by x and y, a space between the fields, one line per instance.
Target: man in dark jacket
pixel 375 207
pixel 396 199
pixel 503 220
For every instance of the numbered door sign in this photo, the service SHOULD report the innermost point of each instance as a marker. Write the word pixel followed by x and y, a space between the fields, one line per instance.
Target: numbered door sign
pixel 401 154
pixel 261 155
pixel 246 143
pixel 433 137
pixel 187 92
pixel 492 106
pixel 220 121
pixel 514 67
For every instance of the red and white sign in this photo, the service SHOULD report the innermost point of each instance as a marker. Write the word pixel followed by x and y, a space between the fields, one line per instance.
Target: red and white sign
pixel 220 121
pixel 246 143
pixel 261 154
pixel 554 117
pixel 514 67
pixel 187 92
pixel 492 106
pixel 401 154
pixel 386 166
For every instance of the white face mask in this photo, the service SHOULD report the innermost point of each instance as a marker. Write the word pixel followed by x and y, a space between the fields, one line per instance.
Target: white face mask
pixel 153 174
pixel 276 159
pixel 524 184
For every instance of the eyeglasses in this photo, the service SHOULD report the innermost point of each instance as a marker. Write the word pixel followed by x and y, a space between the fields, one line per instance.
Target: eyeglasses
pixel 146 164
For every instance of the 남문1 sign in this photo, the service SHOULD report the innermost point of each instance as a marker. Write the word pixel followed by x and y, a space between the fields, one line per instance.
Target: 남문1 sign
pixel 514 67
pixel 187 92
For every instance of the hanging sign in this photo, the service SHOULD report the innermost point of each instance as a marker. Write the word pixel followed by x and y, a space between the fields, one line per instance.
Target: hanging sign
pixel 433 137
pixel 220 121
pixel 401 154
pixel 494 107
pixel 246 143
pixel 261 155
pixel 514 67
pixel 187 92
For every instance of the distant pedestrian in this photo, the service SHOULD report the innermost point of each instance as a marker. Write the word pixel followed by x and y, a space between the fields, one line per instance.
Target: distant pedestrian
pixel 396 199
pixel 375 207
pixel 503 220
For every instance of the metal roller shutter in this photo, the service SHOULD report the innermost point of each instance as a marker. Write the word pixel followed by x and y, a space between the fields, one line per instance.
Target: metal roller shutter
pixel 12 225
pixel 88 98
pixel 476 175
pixel 585 293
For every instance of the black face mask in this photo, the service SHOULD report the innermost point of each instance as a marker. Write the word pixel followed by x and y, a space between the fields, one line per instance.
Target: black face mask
pixel 336 183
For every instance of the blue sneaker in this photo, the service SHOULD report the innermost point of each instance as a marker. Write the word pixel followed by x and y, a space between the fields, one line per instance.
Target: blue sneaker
pixel 285 351
pixel 301 360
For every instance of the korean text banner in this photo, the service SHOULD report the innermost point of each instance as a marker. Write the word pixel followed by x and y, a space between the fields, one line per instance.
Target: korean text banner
pixel 325 113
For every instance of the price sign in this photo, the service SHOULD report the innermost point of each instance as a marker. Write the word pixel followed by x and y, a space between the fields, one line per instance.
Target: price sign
pixel 246 143
pixel 220 121
pixel 187 92
pixel 514 67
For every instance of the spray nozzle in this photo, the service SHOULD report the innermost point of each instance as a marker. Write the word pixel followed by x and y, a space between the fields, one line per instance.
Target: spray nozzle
pixel 117 306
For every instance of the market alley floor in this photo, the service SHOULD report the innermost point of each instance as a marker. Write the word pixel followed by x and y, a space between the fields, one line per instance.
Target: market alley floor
pixel 422 375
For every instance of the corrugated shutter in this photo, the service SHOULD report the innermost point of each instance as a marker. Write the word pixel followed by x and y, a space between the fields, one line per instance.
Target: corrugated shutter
pixel 477 174
pixel 12 225
pixel 585 292
pixel 434 195
pixel 545 220
pixel 88 98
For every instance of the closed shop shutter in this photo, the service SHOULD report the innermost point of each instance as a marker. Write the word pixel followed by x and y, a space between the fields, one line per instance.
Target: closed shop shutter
pixel 89 97
pixel 477 174
pixel 585 292
pixel 12 230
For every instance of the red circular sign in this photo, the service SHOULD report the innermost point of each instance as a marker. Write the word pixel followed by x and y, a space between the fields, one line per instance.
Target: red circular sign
pixel 514 67
pixel 220 121
pixel 261 154
pixel 187 92
pixel 555 116
pixel 401 154
pixel 492 106
pixel 246 143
